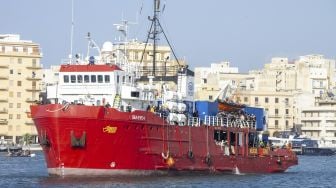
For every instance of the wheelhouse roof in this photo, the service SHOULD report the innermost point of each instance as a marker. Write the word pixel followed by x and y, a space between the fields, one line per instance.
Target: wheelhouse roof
pixel 89 68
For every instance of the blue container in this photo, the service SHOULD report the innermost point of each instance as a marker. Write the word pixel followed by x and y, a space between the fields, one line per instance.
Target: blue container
pixel 206 108
pixel 260 117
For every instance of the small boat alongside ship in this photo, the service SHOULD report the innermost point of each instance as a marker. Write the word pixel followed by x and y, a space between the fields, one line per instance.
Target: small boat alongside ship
pixel 301 145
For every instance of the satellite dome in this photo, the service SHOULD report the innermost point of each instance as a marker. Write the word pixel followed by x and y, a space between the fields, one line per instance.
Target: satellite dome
pixel 107 46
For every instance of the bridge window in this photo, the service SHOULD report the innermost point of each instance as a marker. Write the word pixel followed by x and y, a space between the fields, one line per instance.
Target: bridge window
pixel 220 135
pixel 232 138
pixel 253 139
pixel 66 79
pixel 73 78
pixel 135 94
pixel 93 79
pixel 79 78
pixel 107 78
pixel 100 78
pixel 86 78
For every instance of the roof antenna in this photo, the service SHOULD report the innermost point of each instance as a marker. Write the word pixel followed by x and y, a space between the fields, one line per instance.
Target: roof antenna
pixel 72 30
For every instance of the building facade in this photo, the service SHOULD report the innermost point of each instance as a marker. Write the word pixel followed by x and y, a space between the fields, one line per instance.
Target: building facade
pixel 279 87
pixel 319 122
pixel 20 77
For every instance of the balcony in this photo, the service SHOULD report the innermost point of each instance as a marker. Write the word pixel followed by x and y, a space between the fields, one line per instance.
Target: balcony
pixel 33 78
pixel 29 122
pixel 4 66
pixel 3 88
pixel 33 89
pixel 31 100
pixel 3 99
pixel 4 111
pixel 3 122
pixel 310 128
pixel 274 116
pixel 3 77
pixel 288 116
pixel 34 67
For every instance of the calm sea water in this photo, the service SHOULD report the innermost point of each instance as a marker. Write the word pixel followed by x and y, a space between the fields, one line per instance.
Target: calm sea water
pixel 311 172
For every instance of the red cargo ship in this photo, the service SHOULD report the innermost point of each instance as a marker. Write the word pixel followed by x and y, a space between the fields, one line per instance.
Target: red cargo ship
pixel 98 120
pixel 128 138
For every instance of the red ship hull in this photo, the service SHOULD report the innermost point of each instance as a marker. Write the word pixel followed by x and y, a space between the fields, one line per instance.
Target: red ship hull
pixel 93 140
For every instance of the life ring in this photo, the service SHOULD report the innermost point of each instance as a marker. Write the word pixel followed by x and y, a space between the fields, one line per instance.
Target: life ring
pixel 208 160
pixel 165 156
pixel 190 154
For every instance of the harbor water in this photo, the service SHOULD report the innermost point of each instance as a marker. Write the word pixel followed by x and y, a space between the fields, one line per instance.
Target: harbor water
pixel 312 171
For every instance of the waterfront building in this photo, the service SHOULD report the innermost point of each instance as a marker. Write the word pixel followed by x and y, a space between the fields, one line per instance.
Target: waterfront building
pixel 20 78
pixel 319 121
pixel 279 87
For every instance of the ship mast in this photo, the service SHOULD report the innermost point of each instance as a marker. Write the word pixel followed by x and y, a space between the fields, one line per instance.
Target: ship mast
pixel 154 30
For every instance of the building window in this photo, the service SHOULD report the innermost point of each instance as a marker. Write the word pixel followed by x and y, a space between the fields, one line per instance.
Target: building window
pixel 10 105
pixel 256 100
pixel 118 79
pixel 86 79
pixel 11 71
pixel 100 78
pixel 66 79
pixel 93 79
pixel 205 80
pixel 79 78
pixel 11 94
pixel 18 94
pixel 10 116
pixel 19 83
pixel 19 71
pixel 245 99
pixel 287 111
pixel 287 124
pixel 266 100
pixel 276 124
pixel 286 101
pixel 19 60
pixel 73 78
pixel 107 78
pixel 276 100
pixel 276 111
pixel 18 116
pixel 210 97
pixel 18 105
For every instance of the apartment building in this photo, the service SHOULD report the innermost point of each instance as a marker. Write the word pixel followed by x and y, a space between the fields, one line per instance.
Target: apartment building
pixel 20 77
pixel 319 122
pixel 279 87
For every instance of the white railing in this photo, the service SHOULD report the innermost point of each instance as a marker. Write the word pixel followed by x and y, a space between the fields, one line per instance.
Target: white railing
pixel 216 121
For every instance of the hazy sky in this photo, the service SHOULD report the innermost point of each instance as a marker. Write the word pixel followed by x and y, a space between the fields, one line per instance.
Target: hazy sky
pixel 245 32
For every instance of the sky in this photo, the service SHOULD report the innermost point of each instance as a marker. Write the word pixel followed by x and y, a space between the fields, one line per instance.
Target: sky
pixel 244 32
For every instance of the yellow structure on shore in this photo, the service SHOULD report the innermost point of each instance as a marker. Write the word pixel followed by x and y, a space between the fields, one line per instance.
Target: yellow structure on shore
pixel 20 77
